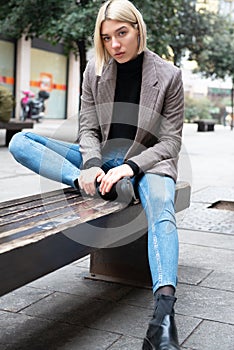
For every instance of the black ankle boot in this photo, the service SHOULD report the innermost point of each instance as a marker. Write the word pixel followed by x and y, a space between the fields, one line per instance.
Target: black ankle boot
pixel 162 332
pixel 122 191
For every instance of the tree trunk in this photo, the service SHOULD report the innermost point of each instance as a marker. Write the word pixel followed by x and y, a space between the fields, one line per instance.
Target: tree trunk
pixel 232 104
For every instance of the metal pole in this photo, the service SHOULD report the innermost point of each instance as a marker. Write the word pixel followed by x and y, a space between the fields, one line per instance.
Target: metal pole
pixel 232 104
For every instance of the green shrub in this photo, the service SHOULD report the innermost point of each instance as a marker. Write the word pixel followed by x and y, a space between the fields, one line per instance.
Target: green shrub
pixel 6 104
pixel 197 108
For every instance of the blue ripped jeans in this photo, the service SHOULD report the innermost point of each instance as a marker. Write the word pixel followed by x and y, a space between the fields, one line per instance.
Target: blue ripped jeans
pixel 61 161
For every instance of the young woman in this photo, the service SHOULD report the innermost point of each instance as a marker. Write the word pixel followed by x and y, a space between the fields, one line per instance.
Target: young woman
pixel 130 128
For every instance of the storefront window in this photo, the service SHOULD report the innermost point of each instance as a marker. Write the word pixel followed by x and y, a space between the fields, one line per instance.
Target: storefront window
pixel 7 64
pixel 49 73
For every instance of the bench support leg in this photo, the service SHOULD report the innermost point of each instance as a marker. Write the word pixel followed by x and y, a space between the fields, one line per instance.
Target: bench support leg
pixel 126 264
pixel 210 127
pixel 9 135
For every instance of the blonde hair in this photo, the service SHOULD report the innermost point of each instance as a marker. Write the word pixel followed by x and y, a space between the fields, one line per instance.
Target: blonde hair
pixel 118 10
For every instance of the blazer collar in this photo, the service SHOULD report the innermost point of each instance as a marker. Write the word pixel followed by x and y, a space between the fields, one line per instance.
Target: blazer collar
pixel 149 73
pixel 107 81
pixel 106 84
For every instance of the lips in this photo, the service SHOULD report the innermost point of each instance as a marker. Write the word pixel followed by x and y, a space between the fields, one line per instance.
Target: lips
pixel 119 54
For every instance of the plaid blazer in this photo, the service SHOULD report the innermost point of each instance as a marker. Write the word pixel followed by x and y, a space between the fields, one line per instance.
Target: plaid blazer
pixel 161 112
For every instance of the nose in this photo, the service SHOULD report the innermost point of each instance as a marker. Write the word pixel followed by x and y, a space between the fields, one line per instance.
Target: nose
pixel 115 43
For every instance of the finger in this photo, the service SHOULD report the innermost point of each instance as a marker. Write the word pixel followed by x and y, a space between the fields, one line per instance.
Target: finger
pixel 103 184
pixel 87 190
pixel 106 182
pixel 100 177
pixel 108 185
pixel 92 190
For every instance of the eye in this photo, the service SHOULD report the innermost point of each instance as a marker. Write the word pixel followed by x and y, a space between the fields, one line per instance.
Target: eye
pixel 106 38
pixel 122 33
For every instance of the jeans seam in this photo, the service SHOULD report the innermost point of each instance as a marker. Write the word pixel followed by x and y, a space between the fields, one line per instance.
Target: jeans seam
pixel 155 241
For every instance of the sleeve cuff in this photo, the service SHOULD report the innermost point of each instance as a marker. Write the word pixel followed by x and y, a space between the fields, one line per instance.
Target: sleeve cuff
pixel 93 162
pixel 135 168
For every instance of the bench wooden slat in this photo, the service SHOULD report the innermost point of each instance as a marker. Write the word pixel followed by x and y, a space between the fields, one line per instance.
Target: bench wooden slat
pixel 32 200
pixel 28 210
pixel 52 217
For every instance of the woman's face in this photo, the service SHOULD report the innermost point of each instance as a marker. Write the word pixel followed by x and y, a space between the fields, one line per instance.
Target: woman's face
pixel 120 40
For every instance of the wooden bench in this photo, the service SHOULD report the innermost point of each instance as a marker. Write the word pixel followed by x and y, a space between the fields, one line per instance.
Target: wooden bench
pixel 41 233
pixel 14 126
pixel 205 124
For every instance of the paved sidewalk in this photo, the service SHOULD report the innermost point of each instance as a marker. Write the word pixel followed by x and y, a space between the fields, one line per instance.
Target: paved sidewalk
pixel 65 311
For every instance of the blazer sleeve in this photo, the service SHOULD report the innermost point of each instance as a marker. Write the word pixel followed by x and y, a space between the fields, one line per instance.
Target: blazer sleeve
pixel 169 123
pixel 89 136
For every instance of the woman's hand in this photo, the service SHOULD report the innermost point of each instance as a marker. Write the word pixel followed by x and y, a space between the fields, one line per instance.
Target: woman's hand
pixel 113 176
pixel 87 179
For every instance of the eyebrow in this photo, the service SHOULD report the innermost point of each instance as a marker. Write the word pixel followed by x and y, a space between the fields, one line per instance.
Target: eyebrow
pixel 117 30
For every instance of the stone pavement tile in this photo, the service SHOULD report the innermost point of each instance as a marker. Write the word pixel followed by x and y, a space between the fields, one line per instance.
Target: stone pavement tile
pixel 139 297
pixel 205 303
pixel 133 321
pixel 212 194
pixel 126 320
pixel 68 308
pixel 127 343
pixel 199 217
pixel 206 239
pixel 185 326
pixel 220 280
pixel 71 279
pixel 206 257
pixel 89 339
pixel 192 275
pixel 5 346
pixel 29 185
pixel 98 314
pixel 211 336
pixel 144 298
pixel 21 298
pixel 21 332
pixel 84 262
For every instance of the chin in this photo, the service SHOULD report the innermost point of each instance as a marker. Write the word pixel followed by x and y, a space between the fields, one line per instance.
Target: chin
pixel 122 60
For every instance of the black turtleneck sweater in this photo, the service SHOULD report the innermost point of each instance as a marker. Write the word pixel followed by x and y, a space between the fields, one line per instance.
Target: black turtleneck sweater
pixel 126 107
pixel 127 96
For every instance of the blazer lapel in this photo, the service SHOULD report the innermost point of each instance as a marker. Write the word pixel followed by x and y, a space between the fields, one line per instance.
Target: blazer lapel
pixel 149 92
pixel 105 96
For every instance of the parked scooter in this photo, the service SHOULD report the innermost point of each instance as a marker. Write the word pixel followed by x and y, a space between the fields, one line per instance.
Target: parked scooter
pixel 33 108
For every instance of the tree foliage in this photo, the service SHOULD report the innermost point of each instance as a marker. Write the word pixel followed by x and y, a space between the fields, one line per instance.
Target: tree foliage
pixel 215 55
pixel 172 24
pixel 55 20
pixel 216 52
